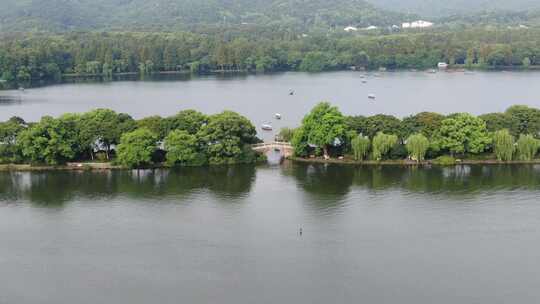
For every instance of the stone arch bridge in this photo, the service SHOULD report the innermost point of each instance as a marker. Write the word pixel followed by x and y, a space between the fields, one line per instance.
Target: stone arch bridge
pixel 284 148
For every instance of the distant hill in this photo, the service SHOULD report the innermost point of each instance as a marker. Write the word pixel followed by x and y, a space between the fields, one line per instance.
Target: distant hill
pixel 66 15
pixel 445 8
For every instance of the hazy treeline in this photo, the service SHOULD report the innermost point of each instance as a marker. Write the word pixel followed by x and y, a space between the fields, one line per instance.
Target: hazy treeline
pixel 26 58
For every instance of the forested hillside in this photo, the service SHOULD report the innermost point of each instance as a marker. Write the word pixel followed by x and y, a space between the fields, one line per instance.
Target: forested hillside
pixel 64 15
pixel 26 58
pixel 445 8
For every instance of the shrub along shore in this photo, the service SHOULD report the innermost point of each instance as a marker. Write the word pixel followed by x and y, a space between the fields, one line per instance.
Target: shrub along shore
pixel 104 140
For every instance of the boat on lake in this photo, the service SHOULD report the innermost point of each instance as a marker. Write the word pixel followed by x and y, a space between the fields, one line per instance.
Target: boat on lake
pixel 372 96
pixel 277 116
pixel 267 127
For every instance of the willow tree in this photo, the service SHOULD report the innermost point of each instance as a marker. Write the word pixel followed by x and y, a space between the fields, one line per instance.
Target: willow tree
pixel 360 146
pixel 382 143
pixel 503 145
pixel 527 147
pixel 417 146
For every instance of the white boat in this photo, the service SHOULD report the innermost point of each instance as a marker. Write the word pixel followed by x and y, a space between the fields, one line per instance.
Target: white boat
pixel 277 116
pixel 291 92
pixel 266 127
pixel 442 65
pixel 372 96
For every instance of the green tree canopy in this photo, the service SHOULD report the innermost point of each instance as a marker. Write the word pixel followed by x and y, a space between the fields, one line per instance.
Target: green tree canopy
pixel 387 124
pixel 9 131
pixel 136 148
pixel 426 123
pixel 183 149
pixel 382 144
pixel 462 133
pixel 527 147
pixel 524 120
pixel 360 146
pixel 324 126
pixel 503 145
pixel 190 121
pixel 496 121
pixel 156 124
pixel 225 137
pixel 51 141
pixel 417 146
pixel 104 127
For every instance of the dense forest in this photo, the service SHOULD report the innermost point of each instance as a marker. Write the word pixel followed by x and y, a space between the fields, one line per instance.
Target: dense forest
pixel 190 138
pixel 297 15
pixel 445 8
pixel 69 15
pixel 29 57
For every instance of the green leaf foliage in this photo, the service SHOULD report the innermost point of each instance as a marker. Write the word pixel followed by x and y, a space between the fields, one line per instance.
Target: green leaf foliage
pixel 503 145
pixel 190 121
pixel 425 123
pixel 136 148
pixel 360 146
pixel 9 131
pixel 183 149
pixel 382 144
pixel 527 147
pixel 104 128
pixel 324 126
pixel 225 137
pixel 51 141
pixel 524 120
pixel 462 133
pixel 417 146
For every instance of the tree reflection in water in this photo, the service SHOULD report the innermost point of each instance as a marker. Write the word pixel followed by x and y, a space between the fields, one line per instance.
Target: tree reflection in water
pixel 326 185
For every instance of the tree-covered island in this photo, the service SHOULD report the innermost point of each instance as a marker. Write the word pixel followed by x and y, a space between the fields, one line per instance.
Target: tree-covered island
pixel 191 138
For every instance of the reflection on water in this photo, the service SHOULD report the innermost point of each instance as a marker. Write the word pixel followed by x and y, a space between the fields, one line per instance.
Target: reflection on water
pixel 10 99
pixel 324 184
pixel 56 188
pixel 381 234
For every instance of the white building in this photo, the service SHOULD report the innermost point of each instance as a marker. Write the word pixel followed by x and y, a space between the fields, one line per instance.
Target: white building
pixel 350 29
pixel 417 24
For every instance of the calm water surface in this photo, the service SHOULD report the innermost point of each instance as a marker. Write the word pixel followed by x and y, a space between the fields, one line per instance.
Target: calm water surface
pixel 260 96
pixel 468 234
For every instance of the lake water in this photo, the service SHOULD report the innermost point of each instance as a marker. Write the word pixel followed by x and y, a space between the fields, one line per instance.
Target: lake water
pixel 465 234
pixel 259 97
